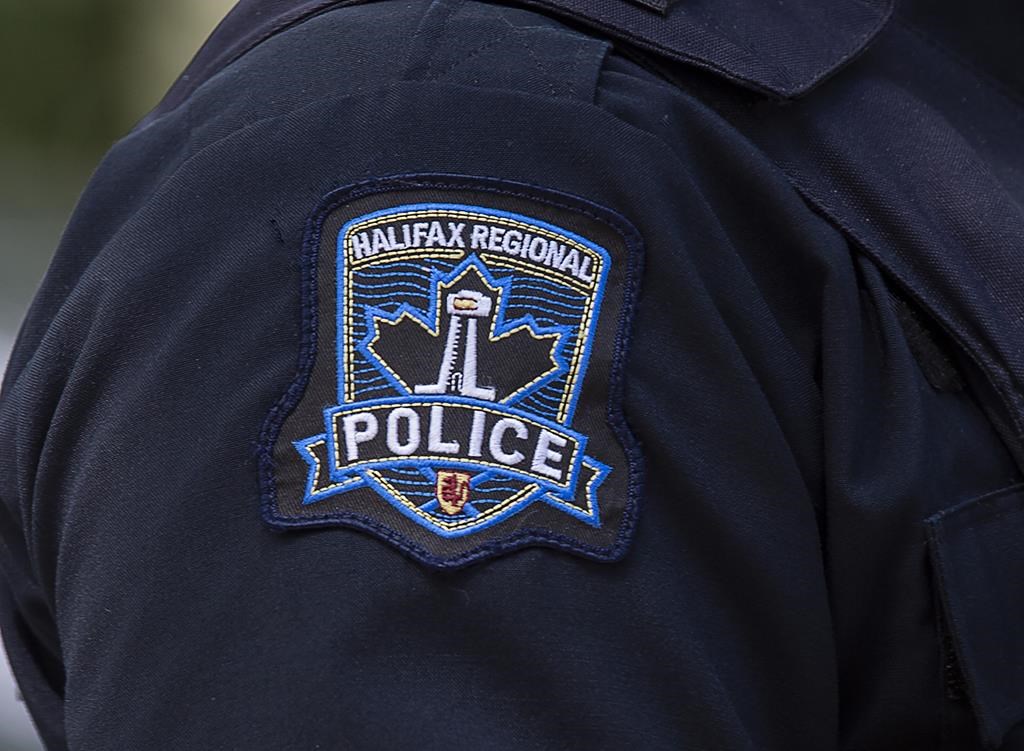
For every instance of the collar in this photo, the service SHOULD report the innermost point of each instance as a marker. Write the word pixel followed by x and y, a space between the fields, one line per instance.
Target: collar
pixel 782 48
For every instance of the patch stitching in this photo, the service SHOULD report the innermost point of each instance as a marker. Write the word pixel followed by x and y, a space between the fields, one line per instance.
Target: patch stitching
pixel 616 377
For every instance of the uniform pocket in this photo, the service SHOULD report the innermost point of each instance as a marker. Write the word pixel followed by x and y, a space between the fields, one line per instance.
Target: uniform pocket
pixel 977 553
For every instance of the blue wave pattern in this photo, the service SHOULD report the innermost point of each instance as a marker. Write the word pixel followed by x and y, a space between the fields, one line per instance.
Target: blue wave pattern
pixel 388 286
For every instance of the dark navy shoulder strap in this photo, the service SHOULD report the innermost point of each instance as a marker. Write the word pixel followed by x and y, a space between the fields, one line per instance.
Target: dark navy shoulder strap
pixel 783 50
pixel 780 49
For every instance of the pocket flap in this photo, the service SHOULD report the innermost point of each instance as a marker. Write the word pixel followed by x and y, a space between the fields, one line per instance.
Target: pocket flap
pixel 977 551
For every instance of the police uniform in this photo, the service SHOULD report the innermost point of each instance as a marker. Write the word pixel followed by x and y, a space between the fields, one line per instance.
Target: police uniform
pixel 542 375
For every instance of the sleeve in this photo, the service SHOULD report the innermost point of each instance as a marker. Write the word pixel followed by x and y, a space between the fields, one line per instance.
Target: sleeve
pixel 433 377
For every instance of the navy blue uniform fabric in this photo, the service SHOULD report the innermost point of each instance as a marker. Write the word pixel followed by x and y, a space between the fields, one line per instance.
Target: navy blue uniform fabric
pixel 823 375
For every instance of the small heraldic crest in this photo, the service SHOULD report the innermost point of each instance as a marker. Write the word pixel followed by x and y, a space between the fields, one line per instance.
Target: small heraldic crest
pixel 467 369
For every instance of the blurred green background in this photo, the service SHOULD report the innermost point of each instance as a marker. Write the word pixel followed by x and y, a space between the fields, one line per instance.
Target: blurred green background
pixel 77 74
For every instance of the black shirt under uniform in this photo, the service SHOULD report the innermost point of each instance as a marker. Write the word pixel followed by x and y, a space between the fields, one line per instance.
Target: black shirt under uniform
pixel 542 375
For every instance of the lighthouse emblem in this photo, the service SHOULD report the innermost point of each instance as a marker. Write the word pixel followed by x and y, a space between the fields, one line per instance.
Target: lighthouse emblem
pixel 469 306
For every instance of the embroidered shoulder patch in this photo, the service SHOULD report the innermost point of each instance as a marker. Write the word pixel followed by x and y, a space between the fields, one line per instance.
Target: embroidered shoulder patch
pixel 460 386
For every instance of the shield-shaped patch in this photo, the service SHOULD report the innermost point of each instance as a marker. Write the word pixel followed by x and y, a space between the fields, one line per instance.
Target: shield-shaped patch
pixel 460 388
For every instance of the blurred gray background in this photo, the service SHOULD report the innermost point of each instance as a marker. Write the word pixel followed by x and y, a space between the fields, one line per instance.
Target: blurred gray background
pixel 77 74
